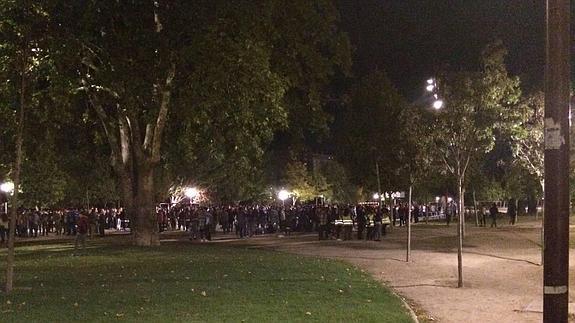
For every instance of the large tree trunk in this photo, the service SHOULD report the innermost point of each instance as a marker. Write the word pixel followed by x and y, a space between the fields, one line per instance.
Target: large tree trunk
pixel 18 164
pixel 146 228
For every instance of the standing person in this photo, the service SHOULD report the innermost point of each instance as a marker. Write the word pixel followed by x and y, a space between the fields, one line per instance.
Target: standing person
pixel 3 227
pixel 449 213
pixel 378 219
pixel 361 221
pixel 482 216
pixel 512 211
pixel 323 217
pixel 402 211
pixel 347 223
pixel 225 220
pixel 101 223
pixel 493 210
pixel 82 231
pixel 415 213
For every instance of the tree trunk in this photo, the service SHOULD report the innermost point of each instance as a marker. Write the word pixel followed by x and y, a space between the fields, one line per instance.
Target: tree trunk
pixel 408 254
pixel 460 236
pixel 145 229
pixel 475 209
pixel 462 214
pixel 18 165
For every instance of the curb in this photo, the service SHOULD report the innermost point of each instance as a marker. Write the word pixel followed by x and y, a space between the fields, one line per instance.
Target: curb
pixel 405 304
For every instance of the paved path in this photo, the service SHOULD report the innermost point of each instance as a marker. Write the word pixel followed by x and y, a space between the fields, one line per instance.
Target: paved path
pixel 502 275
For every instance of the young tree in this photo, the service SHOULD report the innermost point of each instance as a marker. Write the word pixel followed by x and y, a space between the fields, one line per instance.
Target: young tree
pixel 527 135
pixel 476 103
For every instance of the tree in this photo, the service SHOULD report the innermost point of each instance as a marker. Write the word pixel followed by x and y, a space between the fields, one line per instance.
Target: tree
pixel 414 154
pixel 368 134
pixel 527 135
pixel 215 79
pixel 476 103
pixel 298 180
pixel 21 59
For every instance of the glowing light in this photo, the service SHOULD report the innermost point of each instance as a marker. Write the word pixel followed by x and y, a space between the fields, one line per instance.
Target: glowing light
pixel 376 196
pixel 430 88
pixel 430 81
pixel 7 187
pixel 438 104
pixel 437 198
pixel 449 200
pixel 283 195
pixel 191 192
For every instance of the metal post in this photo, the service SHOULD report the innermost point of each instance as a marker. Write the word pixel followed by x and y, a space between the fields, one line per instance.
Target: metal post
pixel 408 254
pixel 378 181
pixel 556 220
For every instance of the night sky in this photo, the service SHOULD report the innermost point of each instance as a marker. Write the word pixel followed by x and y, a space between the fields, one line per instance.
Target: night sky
pixel 410 39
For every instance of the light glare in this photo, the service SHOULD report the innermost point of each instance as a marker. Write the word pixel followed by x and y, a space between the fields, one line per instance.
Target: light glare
pixel 7 187
pixel 438 104
pixel 191 192
pixel 283 195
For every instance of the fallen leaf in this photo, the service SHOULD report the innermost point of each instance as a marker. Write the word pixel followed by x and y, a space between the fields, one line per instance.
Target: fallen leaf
pixel 8 302
pixel 76 304
pixel 119 314
pixel 204 293
pixel 307 313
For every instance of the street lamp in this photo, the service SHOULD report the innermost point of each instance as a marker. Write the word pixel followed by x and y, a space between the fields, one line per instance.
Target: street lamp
pixel 191 193
pixel 438 104
pixel 283 195
pixel 8 188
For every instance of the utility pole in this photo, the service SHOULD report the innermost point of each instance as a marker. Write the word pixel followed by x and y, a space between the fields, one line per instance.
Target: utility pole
pixel 556 219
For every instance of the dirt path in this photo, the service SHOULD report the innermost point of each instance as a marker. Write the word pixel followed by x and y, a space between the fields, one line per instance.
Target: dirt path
pixel 502 276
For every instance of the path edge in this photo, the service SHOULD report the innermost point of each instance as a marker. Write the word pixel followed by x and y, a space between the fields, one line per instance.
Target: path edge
pixel 405 304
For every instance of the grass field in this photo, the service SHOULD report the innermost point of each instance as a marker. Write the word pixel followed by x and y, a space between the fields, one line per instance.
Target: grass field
pixel 189 282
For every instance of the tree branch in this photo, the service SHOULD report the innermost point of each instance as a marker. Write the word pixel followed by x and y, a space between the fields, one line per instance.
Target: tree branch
pixel 162 114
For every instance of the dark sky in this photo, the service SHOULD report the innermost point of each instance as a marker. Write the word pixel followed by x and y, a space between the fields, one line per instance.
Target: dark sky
pixel 409 39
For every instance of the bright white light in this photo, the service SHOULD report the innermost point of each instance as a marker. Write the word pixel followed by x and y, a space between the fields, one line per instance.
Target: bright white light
pixel 7 187
pixel 430 88
pixel 430 81
pixel 376 196
pixel 438 104
pixel 449 200
pixel 437 198
pixel 191 192
pixel 283 195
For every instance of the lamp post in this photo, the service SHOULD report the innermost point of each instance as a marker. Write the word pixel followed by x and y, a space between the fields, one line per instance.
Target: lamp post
pixel 283 195
pixel 191 193
pixel 8 188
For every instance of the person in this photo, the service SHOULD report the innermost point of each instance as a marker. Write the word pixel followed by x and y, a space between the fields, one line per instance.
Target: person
pixel 415 213
pixel 378 219
pixel 101 223
pixel 449 212
pixel 493 213
pixel 512 211
pixel 323 220
pixel 82 231
pixel 361 221
pixel 347 223
pixel 3 227
pixel 482 216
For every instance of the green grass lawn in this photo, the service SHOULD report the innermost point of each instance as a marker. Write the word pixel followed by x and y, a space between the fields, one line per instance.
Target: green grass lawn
pixel 189 282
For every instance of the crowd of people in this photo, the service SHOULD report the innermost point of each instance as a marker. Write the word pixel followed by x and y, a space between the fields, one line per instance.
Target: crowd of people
pixel 32 223
pixel 367 220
